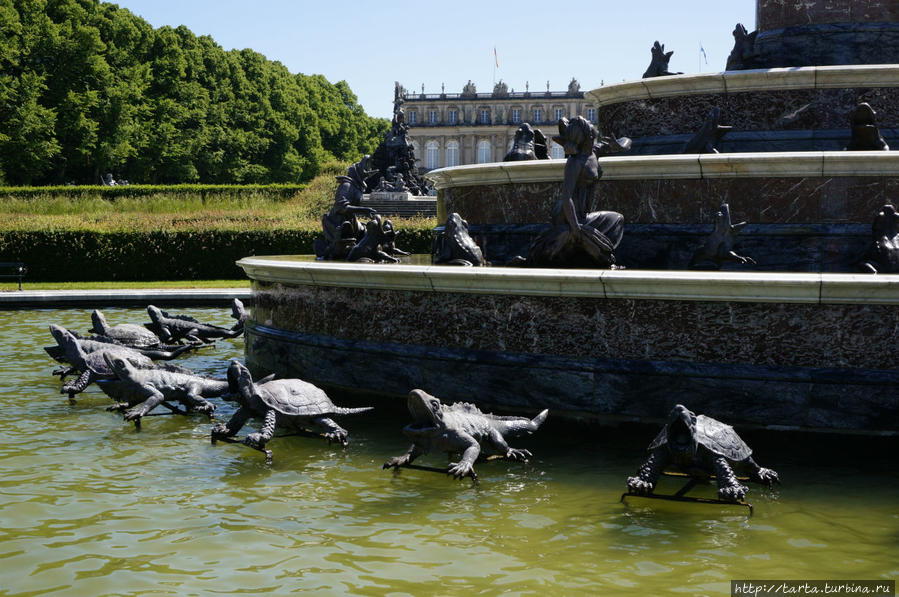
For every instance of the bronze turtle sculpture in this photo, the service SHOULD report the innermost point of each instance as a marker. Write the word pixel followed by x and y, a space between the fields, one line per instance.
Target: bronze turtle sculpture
pixel 700 446
pixel 126 333
pixel 290 403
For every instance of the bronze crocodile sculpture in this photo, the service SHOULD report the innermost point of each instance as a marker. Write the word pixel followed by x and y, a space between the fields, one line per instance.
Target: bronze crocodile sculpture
pixel 460 428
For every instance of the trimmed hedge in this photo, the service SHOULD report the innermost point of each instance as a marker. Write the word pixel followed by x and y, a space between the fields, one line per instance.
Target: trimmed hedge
pixel 79 255
pixel 276 192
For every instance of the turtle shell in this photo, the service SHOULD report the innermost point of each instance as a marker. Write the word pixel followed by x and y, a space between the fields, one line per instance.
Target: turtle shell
pixel 720 438
pixel 717 437
pixel 134 334
pixel 296 397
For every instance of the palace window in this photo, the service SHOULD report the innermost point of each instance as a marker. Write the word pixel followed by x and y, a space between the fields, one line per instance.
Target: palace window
pixel 516 115
pixel 484 116
pixel 538 115
pixel 591 114
pixel 483 152
pixel 413 117
pixel 559 113
pixel 556 151
pixel 452 116
pixel 452 153
pixel 431 152
pixel 432 116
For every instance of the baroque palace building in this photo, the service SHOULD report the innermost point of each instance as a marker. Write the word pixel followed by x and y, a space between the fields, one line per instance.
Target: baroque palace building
pixel 450 129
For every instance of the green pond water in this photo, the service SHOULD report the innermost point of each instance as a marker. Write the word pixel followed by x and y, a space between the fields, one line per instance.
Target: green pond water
pixel 90 506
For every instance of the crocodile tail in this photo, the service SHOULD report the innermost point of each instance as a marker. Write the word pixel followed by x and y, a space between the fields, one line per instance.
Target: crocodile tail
pixel 520 425
pixel 538 420
pixel 352 411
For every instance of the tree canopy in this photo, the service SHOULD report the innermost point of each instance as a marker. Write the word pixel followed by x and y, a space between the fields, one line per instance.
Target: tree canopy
pixel 88 88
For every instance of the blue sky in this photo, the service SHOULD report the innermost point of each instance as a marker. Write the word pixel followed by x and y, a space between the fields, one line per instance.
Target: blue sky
pixel 371 45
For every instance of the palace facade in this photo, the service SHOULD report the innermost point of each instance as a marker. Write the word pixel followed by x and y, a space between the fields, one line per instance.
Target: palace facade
pixel 451 129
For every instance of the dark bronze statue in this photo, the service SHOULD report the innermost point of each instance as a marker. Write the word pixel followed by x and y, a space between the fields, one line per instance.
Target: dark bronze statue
pixel 378 243
pixel 865 134
pixel 454 245
pixel 239 313
pixel 129 334
pixel 91 363
pixel 287 403
pixel 529 144
pixel 744 48
pixel 707 138
pixel 577 238
pixel 175 328
pixel 658 66
pixel 396 156
pixel 883 253
pixel 460 428
pixel 700 446
pixel 719 246
pixel 137 391
pixel 340 226
pixel 162 352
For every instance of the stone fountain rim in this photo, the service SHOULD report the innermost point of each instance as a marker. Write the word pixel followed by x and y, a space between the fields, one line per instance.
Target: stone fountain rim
pixel 742 81
pixel 781 164
pixel 727 286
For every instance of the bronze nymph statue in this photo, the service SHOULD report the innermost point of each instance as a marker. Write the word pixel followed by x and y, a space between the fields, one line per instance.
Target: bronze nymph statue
pixel 578 238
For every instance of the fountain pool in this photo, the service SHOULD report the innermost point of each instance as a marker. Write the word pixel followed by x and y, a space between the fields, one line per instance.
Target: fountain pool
pixel 89 506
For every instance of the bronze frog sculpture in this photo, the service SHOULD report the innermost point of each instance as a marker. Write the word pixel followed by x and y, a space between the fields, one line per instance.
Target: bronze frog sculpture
pixel 454 245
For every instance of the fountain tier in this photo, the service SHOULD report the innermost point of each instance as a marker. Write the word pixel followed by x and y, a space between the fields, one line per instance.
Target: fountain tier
pixel 809 351
pixel 807 211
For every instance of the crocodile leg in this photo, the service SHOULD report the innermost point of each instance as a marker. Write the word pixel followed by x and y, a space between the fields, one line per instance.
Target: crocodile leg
pixel 238 419
pixel 197 403
pixel 645 481
pixel 265 433
pixel 499 442
pixel 164 355
pixel 193 336
pixel 154 399
pixel 414 452
pixel 332 431
pixel 465 466
pixel 64 371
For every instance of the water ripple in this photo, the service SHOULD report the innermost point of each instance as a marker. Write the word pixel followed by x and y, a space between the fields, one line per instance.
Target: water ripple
pixel 89 505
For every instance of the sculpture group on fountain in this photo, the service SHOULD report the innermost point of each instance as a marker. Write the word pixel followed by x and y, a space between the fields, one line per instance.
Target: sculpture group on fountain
pixel 344 237
pixel 576 237
pixel 394 160
pixel 121 363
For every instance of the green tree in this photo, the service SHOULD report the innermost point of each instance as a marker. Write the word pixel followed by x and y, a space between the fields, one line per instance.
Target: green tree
pixel 88 88
pixel 27 140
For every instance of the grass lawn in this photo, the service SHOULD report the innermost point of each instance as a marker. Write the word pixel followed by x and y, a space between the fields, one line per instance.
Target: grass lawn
pixel 7 286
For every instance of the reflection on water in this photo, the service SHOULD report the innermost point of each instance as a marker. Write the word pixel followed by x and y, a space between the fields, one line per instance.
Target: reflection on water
pixel 90 506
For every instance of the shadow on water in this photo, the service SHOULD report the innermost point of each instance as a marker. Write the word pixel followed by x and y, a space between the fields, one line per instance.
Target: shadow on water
pixel 89 505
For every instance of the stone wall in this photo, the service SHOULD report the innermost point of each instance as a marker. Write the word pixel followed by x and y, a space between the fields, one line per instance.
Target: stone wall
pixel 763 362
pixel 775 14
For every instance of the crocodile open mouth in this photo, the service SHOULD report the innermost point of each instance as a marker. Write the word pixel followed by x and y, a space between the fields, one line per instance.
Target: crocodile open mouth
pixel 419 427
